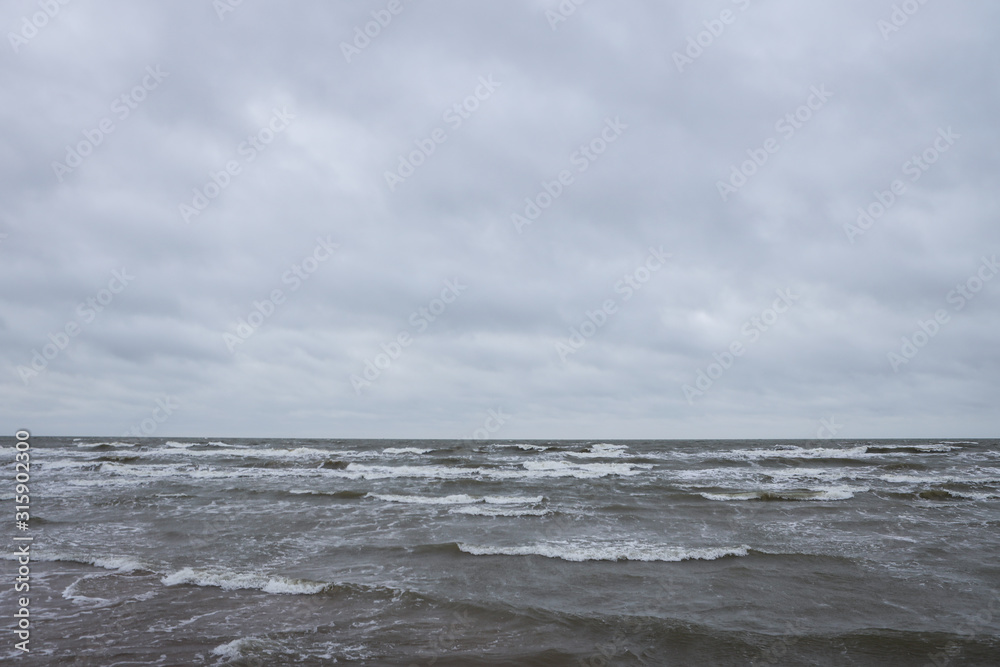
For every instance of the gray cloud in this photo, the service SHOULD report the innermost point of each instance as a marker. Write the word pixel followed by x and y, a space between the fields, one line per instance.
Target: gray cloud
pixel 529 290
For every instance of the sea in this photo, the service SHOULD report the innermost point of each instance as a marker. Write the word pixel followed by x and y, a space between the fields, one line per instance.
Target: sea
pixel 424 553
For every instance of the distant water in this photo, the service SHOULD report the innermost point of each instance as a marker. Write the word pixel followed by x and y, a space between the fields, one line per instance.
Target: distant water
pixel 432 553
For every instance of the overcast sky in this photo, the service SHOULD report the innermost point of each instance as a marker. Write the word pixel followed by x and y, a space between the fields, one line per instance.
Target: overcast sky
pixel 613 220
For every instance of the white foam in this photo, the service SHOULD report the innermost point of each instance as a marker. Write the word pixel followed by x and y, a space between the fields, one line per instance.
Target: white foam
pixel 405 450
pixel 975 495
pixel 228 580
pixel 69 593
pixel 63 465
pixel 173 443
pixel 582 470
pixel 153 471
pixel 236 451
pixel 117 563
pixel 460 499
pixel 859 452
pixel 519 445
pixel 234 649
pixel 489 510
pixel 837 493
pixel 939 448
pixel 610 552
pixel 602 451
pixel 513 500
pixel 112 444
pixel 981 475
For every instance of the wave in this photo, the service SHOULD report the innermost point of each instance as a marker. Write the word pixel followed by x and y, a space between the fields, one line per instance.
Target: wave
pixel 333 494
pixel 237 451
pixel 69 593
pixel 104 445
pixel 861 452
pixel 459 499
pixel 406 450
pixel 117 563
pixel 838 493
pixel 975 495
pixel 940 448
pixel 529 470
pixel 512 500
pixel 607 552
pixel 230 581
pixel 602 451
pixel 793 452
pixel 116 459
pixel 976 476
pixel 524 447
pixel 582 470
pixel 234 649
pixel 491 510
pixel 952 494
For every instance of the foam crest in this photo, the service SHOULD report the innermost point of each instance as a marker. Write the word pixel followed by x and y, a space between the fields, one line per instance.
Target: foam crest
pixel 117 563
pixel 405 450
pixel 228 580
pixel 837 493
pixel 793 452
pixel 492 510
pixel 602 451
pixel 459 499
pixel 608 552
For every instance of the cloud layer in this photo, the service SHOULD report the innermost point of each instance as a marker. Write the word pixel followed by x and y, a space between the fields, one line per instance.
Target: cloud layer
pixel 386 219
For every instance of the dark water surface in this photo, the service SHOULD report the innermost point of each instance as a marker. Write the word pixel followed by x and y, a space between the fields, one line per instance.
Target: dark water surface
pixel 274 552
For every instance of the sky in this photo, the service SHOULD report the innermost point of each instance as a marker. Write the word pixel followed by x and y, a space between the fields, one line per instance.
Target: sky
pixel 505 220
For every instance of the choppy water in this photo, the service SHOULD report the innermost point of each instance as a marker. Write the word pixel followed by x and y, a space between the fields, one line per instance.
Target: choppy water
pixel 428 553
